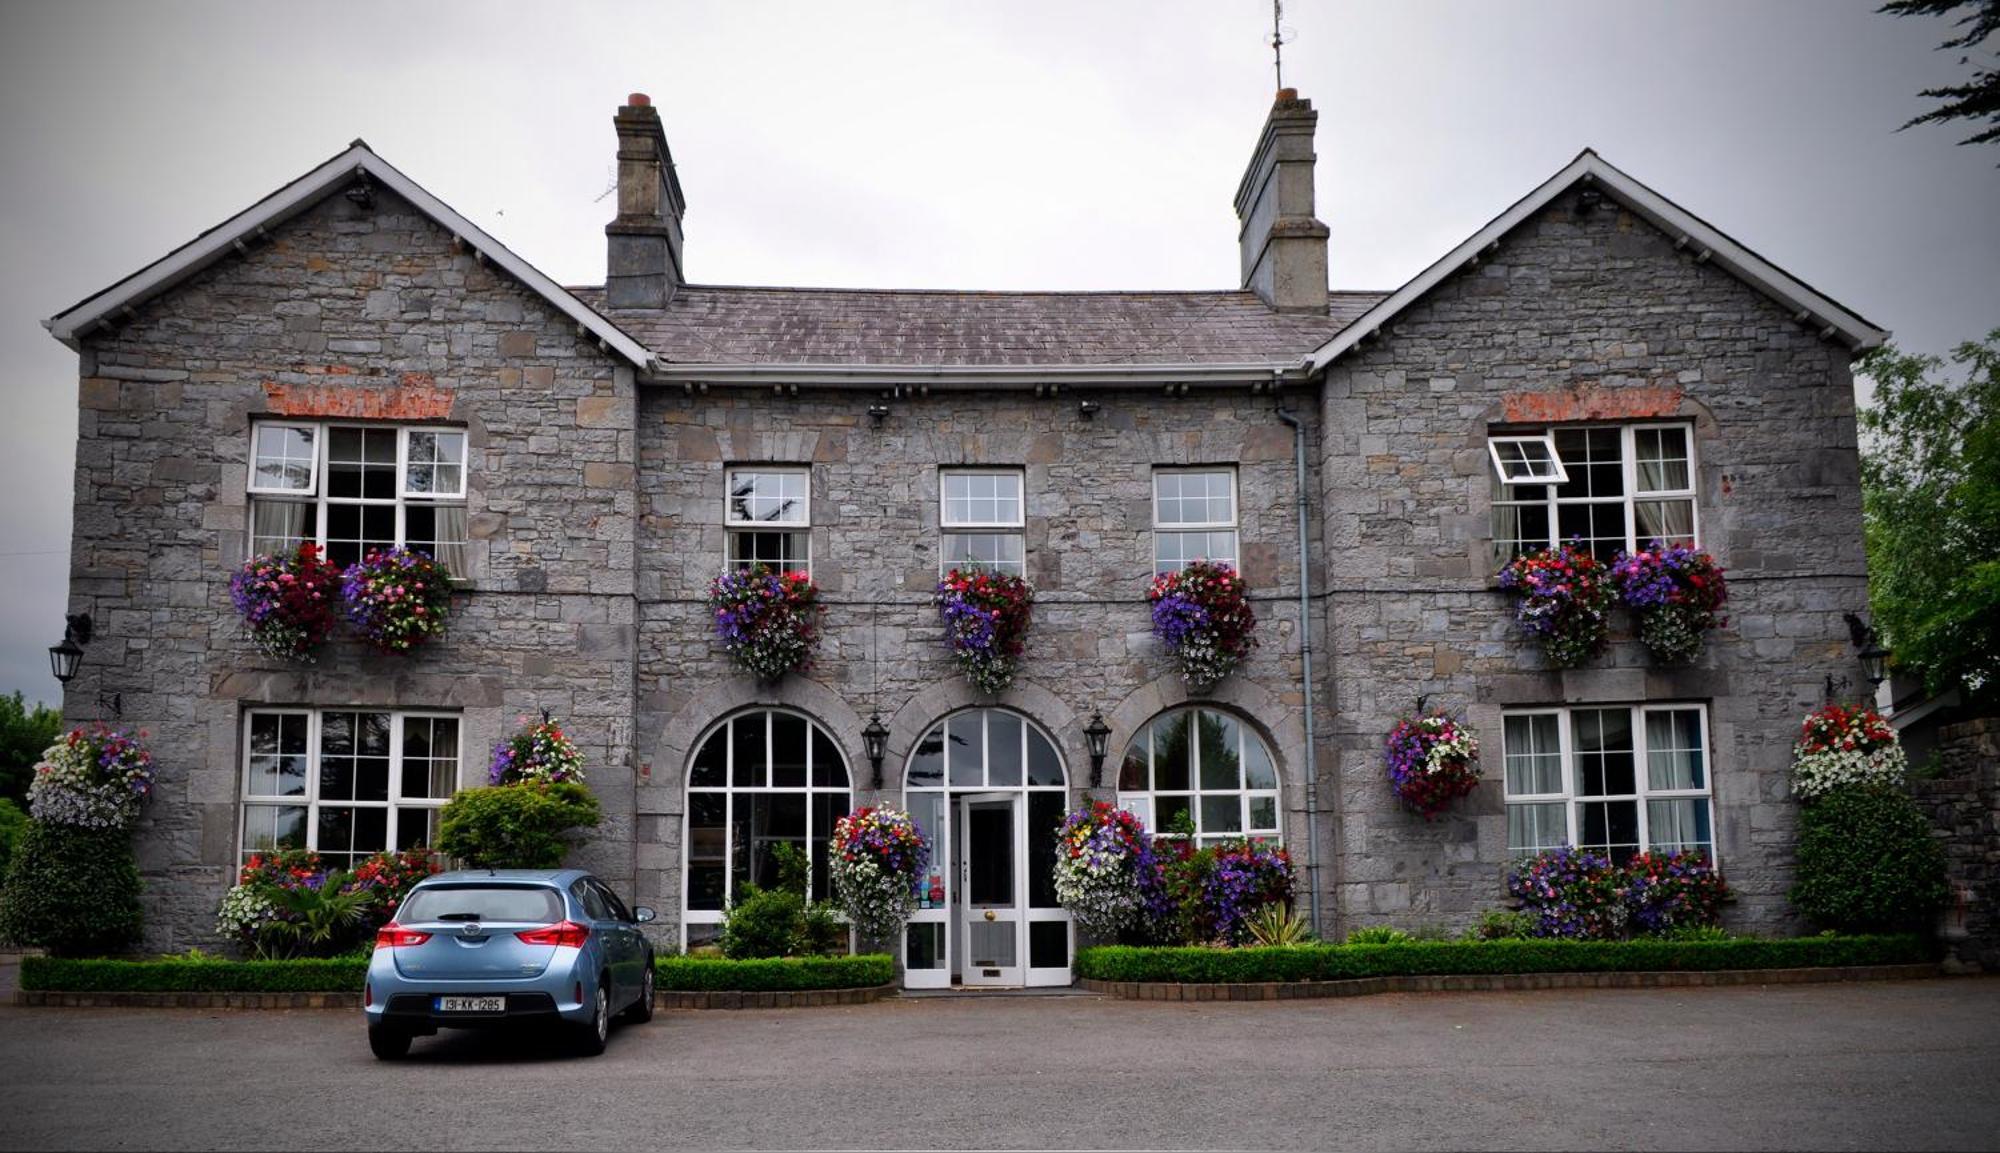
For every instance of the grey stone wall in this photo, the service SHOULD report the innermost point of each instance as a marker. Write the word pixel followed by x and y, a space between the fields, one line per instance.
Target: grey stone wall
pixel 1578 317
pixel 1963 804
pixel 349 309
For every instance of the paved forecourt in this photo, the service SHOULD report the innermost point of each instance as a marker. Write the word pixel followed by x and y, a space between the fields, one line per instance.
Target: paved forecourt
pixel 1870 1066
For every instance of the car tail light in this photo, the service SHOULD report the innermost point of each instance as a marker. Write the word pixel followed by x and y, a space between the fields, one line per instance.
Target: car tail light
pixel 394 936
pixel 368 995
pixel 561 933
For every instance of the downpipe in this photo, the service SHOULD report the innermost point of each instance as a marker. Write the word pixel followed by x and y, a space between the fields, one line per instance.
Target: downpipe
pixel 1306 673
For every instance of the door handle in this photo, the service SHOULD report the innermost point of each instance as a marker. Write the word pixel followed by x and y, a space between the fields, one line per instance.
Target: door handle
pixel 989 914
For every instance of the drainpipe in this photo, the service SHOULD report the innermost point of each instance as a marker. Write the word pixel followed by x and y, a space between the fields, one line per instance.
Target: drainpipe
pixel 1306 668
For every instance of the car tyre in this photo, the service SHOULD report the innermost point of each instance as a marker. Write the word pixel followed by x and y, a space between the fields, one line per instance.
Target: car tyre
pixel 388 1043
pixel 642 1009
pixel 591 1036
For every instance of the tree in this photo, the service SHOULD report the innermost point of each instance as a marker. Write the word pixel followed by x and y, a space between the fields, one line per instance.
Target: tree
pixel 1930 476
pixel 1978 100
pixel 24 733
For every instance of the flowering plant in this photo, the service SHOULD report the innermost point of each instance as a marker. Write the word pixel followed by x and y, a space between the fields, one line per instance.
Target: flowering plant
pixel 1676 591
pixel 1667 891
pixel 767 621
pixel 289 903
pixel 93 778
pixel 1247 876
pixel 536 752
pixel 1565 597
pixel 1102 852
pixel 288 601
pixel 250 913
pixel 876 862
pixel 1841 746
pixel 388 878
pixel 1432 761
pixel 398 599
pixel 1203 615
pixel 985 623
pixel 1571 893
pixel 1212 895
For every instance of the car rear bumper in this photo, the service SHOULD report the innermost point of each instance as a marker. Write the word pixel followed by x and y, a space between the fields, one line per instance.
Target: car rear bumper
pixel 566 993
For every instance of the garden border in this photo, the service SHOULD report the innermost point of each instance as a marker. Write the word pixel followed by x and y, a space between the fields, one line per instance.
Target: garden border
pixel 664 999
pixel 1501 982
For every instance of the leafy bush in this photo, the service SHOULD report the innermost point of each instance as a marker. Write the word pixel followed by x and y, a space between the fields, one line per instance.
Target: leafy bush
pixel 524 826
pixel 1379 935
pixel 1200 965
pixel 13 826
pixel 1211 894
pixel 1867 860
pixel 71 890
pixel 24 732
pixel 1502 925
pixel 775 974
pixel 194 973
pixel 763 923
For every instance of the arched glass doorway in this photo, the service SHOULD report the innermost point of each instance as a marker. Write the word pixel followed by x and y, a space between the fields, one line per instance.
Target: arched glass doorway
pixel 989 788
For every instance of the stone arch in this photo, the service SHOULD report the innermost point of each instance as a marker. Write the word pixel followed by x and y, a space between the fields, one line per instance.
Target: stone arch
pixel 676 742
pixel 1281 727
pixel 1044 708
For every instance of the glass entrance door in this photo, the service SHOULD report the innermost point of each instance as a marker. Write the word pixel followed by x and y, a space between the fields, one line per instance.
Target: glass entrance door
pixel 991 871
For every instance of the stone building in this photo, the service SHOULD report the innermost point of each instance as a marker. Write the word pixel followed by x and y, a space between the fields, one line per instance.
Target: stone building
pixel 350 361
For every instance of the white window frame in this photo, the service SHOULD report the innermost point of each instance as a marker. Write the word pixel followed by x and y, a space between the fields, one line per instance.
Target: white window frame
pixel 1571 800
pixel 311 800
pixel 311 489
pixel 1142 802
pixel 1231 526
pixel 321 500
pixel 1632 496
pixel 732 524
pixel 403 492
pixel 948 527
pixel 1548 442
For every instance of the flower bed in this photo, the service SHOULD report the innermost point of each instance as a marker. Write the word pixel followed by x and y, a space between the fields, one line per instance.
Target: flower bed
pixel 986 619
pixel 768 622
pixel 1317 962
pixel 1202 615
pixel 1432 761
pixel 1102 852
pixel 397 599
pixel 1581 895
pixel 94 778
pixel 288 602
pixel 774 974
pixel 1676 592
pixel 194 974
pixel 1841 746
pixel 1211 895
pixel 1564 599
pixel 536 752
pixel 876 861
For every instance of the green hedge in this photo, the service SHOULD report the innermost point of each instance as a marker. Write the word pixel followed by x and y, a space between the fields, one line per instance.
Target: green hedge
pixel 1438 958
pixel 775 974
pixel 186 975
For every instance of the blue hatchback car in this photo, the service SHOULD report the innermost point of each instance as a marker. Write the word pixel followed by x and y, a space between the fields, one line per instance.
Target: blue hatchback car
pixel 485 949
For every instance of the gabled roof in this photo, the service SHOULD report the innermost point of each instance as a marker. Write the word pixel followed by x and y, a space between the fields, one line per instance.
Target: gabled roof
pixel 229 237
pixel 1688 230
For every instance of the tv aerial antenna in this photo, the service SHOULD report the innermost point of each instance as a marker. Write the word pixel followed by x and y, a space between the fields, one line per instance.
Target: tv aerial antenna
pixel 1281 35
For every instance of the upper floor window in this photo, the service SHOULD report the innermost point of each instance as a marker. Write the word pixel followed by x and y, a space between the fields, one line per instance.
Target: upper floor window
pixel 1194 517
pixel 768 512
pixel 356 489
pixel 982 514
pixel 1612 780
pixel 348 783
pixel 1617 488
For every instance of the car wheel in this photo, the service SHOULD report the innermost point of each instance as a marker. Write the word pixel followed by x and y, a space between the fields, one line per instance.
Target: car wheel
pixel 642 1009
pixel 591 1036
pixel 387 1042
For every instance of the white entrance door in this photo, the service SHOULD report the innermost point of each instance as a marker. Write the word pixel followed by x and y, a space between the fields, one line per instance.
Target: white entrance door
pixel 993 876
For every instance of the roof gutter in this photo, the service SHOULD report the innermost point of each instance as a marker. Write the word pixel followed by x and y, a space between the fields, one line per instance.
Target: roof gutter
pixel 1257 374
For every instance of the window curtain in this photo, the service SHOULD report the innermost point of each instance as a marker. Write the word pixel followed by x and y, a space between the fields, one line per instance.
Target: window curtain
pixel 277 525
pixel 451 538
pixel 1665 520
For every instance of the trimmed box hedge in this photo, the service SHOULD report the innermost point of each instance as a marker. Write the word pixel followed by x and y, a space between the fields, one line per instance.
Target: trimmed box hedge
pixel 774 974
pixel 188 975
pixel 1320 962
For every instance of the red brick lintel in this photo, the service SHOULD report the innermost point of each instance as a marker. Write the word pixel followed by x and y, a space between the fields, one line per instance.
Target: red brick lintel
pixel 415 396
pixel 1591 402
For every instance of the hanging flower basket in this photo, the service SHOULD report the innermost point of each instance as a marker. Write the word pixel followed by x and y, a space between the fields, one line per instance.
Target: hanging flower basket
pixel 1432 760
pixel 767 621
pixel 1675 591
pixel 92 778
pixel 1842 746
pixel 876 862
pixel 289 601
pixel 397 599
pixel 1102 855
pixel 1202 614
pixel 1564 598
pixel 986 619
pixel 539 752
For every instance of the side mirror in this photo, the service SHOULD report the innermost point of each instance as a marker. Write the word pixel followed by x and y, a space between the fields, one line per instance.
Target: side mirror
pixel 643 914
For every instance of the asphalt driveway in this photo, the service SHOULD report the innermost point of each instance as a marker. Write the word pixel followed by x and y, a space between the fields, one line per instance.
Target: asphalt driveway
pixel 1902 1065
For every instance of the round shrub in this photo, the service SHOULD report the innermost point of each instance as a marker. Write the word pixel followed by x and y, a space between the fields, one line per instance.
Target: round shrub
pixel 524 826
pixel 764 923
pixel 1867 860
pixel 71 890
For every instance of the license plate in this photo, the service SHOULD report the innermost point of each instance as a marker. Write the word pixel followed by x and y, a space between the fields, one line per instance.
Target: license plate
pixel 471 1004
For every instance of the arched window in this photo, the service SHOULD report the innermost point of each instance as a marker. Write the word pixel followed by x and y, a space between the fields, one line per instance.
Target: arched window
pixel 758 780
pixel 1203 769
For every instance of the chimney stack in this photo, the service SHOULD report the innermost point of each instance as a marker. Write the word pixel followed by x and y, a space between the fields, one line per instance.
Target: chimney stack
pixel 643 245
pixel 1283 243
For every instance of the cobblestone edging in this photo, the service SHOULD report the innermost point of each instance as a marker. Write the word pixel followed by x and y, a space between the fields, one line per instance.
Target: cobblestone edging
pixel 1499 982
pixel 801 999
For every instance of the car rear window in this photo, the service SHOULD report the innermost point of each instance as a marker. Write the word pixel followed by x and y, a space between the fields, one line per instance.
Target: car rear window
pixel 483 903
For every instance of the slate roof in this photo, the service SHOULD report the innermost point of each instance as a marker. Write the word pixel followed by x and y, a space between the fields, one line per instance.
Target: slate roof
pixel 727 324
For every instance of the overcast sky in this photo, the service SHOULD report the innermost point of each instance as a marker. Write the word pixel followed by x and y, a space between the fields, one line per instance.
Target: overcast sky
pixel 1045 144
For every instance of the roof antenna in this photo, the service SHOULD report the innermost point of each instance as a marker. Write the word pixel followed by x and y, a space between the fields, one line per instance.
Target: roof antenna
pixel 1280 36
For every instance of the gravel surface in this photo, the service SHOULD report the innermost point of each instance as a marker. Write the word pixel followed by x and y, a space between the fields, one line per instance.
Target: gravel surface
pixel 1901 1065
